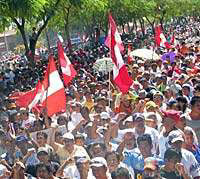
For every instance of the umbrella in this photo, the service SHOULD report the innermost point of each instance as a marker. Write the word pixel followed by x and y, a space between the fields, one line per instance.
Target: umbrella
pixel 103 65
pixel 170 55
pixel 145 53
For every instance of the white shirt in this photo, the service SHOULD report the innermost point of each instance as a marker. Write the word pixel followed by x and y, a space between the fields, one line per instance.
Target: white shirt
pixel 163 144
pixel 190 163
pixel 72 172
pixel 154 136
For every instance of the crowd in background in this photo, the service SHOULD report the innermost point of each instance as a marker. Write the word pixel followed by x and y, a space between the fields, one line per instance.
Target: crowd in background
pixel 153 131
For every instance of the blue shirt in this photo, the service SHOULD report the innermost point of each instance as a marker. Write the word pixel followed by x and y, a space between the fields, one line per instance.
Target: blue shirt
pixel 136 162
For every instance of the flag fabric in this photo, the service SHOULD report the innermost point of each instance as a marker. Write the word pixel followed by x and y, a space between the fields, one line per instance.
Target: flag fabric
pixel 117 38
pixel 120 72
pixel 67 68
pixel 160 38
pixel 38 93
pixel 50 93
pixel 23 99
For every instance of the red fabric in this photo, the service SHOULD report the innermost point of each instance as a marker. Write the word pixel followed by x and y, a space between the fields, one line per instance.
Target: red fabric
pixel 55 102
pixel 67 68
pixel 108 38
pixel 23 99
pixel 157 35
pixel 158 40
pixel 122 78
pixel 175 115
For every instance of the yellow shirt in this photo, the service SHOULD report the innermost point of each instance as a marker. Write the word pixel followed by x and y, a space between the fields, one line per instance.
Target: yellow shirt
pixel 64 154
pixel 89 104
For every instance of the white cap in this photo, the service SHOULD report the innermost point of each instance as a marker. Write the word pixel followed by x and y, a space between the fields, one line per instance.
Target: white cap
pixel 104 115
pixel 98 162
pixel 68 135
pixel 174 136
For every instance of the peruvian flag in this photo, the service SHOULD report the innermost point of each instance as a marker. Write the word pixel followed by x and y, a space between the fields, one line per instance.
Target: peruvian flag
pixel 23 99
pixel 117 38
pixel 160 38
pixel 50 93
pixel 67 68
pixel 120 72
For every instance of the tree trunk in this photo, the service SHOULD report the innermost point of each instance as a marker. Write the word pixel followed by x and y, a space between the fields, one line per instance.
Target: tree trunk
pixel 135 24
pixel 67 34
pixel 47 38
pixel 151 24
pixel 142 26
pixel 23 34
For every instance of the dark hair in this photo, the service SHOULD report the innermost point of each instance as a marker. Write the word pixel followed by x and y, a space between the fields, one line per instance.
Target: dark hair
pixel 112 153
pixel 194 100
pixel 182 99
pixel 121 172
pixel 197 87
pixel 171 153
pixel 42 134
pixel 145 137
pixel 42 165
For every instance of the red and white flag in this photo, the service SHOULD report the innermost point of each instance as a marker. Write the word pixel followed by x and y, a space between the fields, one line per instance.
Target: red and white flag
pixel 23 99
pixel 160 38
pixel 50 92
pixel 117 38
pixel 67 68
pixel 120 72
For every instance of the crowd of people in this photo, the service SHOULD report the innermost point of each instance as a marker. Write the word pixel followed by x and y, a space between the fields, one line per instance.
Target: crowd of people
pixel 152 132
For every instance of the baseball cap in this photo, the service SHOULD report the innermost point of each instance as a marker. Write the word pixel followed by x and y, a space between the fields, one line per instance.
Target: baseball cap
pixel 138 117
pixel 104 115
pixel 175 115
pixel 128 119
pixel 21 138
pixel 42 150
pixel 150 104
pixel 68 135
pixel 150 163
pixel 98 162
pixel 186 86
pixel 82 160
pixel 175 136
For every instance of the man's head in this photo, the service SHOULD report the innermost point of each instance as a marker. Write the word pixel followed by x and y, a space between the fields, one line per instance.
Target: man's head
pixel 41 138
pixel 121 173
pixel 169 119
pixel 43 171
pixel 99 167
pixel 144 143
pixel 151 168
pixel 68 140
pixel 82 164
pixel 139 122
pixel 176 139
pixel 195 104
pixel 171 158
pixel 158 98
pixel 113 160
pixel 43 154
pixel 97 150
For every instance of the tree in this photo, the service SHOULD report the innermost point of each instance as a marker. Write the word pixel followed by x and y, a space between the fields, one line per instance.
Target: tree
pixel 37 13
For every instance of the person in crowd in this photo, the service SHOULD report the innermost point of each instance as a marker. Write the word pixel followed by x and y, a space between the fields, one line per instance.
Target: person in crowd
pixel 188 160
pixel 173 167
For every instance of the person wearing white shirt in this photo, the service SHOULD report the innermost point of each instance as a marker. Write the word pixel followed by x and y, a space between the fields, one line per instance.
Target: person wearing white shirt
pixel 188 160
